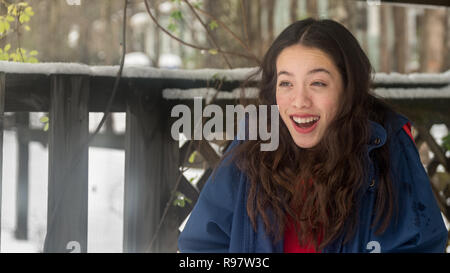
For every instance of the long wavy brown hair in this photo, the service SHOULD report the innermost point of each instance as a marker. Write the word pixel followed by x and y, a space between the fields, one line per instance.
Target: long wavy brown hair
pixel 318 187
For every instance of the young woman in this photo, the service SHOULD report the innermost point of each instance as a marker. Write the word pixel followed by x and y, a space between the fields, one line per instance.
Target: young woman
pixel 346 176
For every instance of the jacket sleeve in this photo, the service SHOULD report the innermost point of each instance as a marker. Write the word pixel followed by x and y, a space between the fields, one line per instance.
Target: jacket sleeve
pixel 418 225
pixel 209 225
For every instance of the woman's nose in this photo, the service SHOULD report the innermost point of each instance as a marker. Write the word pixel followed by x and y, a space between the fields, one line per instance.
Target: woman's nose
pixel 301 98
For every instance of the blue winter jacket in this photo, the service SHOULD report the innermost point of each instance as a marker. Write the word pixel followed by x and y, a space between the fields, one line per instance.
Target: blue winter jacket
pixel 219 221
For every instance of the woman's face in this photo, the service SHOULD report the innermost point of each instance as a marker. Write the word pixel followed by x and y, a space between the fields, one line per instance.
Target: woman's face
pixel 308 90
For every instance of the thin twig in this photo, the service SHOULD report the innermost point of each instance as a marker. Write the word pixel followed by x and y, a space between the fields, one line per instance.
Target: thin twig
pixel 189 44
pixel 18 35
pixel 209 34
pixel 244 17
pixel 222 24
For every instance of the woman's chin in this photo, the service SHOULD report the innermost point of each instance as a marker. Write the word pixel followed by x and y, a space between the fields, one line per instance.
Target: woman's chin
pixel 305 144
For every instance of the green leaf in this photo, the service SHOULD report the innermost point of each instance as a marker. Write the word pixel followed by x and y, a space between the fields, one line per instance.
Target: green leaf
pixel 33 53
pixel 192 157
pixel 7 47
pixel 23 18
pixel 180 199
pixel 172 27
pixel 27 28
pixel 46 127
pixel 215 76
pixel 446 142
pixel 29 11
pixel 14 10
pixel 10 8
pixel 43 119
pixel 9 18
pixel 213 24
pixel 2 27
pixel 176 15
pixel 197 5
pixel 7 26
pixel 213 51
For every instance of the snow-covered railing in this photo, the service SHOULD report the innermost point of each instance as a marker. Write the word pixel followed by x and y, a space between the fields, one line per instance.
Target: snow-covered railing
pixel 152 158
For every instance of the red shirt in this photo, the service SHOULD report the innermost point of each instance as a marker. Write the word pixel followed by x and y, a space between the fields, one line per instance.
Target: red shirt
pixel 291 243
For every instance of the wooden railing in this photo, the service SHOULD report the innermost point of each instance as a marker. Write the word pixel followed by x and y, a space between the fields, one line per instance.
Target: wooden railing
pixel 69 92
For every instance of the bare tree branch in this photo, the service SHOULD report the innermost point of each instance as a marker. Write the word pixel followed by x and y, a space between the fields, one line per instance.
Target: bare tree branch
pixel 209 34
pixel 192 45
pixel 222 24
pixel 244 18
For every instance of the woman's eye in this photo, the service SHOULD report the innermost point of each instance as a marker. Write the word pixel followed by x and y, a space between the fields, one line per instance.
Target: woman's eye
pixel 284 84
pixel 319 84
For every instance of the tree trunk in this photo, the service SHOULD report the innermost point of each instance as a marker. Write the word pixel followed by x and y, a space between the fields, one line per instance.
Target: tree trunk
pixel 271 20
pixel 385 56
pixel 109 48
pixel 401 47
pixel 293 10
pixel 432 41
pixel 311 8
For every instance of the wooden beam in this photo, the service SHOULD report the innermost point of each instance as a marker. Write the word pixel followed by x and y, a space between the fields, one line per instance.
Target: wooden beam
pixel 22 124
pixel 30 92
pixel 68 165
pixel 151 171
pixel 208 172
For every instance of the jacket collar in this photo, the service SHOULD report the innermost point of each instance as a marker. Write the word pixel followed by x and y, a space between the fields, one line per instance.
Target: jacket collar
pixel 395 123
pixel 378 135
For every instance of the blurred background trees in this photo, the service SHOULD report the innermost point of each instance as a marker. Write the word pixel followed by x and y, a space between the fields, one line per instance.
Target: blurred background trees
pixel 397 38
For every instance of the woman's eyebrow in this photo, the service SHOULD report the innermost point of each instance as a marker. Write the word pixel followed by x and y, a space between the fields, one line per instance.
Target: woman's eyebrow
pixel 317 70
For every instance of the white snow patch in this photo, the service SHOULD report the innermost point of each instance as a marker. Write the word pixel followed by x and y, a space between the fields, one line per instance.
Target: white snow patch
pixel 413 93
pixel 166 7
pixel 139 19
pixel 74 36
pixel 208 93
pixel 169 61
pixel 413 78
pixel 237 74
pixel 137 59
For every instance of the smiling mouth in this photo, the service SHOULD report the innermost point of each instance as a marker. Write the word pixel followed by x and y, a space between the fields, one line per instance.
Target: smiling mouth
pixel 304 122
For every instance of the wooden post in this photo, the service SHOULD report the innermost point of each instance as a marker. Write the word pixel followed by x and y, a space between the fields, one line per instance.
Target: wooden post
pixel 68 165
pixel 2 117
pixel 22 122
pixel 151 170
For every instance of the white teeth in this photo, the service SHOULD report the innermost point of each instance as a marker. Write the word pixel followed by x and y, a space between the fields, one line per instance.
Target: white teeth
pixel 304 120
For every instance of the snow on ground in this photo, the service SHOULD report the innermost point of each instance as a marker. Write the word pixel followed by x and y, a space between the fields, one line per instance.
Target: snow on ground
pixel 105 208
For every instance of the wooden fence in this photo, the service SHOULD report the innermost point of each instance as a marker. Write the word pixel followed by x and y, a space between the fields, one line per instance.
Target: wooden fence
pixel 152 157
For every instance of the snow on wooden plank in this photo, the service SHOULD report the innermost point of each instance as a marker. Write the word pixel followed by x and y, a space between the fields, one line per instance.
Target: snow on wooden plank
pixel 238 74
